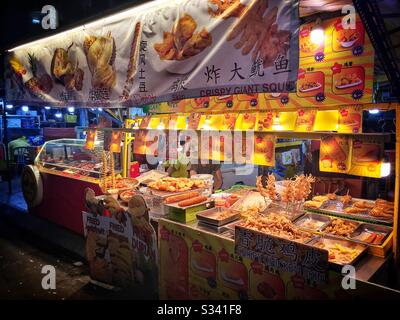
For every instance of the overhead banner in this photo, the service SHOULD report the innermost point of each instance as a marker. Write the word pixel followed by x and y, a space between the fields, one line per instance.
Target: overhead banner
pixel 337 71
pixel 162 51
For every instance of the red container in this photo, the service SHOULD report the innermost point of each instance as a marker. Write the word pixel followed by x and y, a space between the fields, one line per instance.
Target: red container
pixel 134 170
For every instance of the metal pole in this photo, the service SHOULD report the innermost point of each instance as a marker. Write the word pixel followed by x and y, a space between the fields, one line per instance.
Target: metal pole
pixel 5 141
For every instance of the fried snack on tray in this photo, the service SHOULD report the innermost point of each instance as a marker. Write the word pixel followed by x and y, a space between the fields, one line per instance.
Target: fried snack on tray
pixel 276 225
pixel 313 204
pixel 176 184
pixel 341 228
pixel 346 199
pixel 338 253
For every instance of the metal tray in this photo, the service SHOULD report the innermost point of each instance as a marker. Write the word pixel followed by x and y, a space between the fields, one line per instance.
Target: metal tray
pixel 231 226
pixel 356 223
pixel 366 228
pixel 335 207
pixel 329 240
pixel 322 220
pixel 210 216
pixel 175 205
pixel 210 227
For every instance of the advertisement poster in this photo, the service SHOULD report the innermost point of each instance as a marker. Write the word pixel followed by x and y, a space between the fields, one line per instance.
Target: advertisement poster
pixel 339 70
pixel 121 250
pixel 350 120
pixel 335 154
pixel 202 265
pixel 366 159
pixel 164 51
pixel 264 149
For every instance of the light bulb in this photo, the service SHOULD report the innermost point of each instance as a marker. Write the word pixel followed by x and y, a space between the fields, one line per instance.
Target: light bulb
pixel 385 169
pixel 25 108
pixel 317 36
pixel 71 109
pixel 47 108
pixel 9 106
pixel 58 115
pixel 373 111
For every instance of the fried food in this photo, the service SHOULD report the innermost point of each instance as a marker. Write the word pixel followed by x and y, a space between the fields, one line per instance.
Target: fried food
pixel 363 205
pixel 176 184
pixel 312 204
pixel 277 225
pixel 183 42
pixel 270 190
pixel 226 8
pixel 100 55
pixel 302 186
pixel 331 196
pixel 192 201
pixel 225 214
pixel 346 199
pixel 181 197
pixel 348 79
pixel 339 253
pixel 320 198
pixel 341 228
pixel 355 210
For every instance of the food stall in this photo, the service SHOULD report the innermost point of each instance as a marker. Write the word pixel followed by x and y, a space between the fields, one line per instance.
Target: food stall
pixel 292 237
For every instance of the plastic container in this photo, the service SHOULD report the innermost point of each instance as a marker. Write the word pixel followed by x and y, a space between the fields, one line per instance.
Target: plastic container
pixel 209 179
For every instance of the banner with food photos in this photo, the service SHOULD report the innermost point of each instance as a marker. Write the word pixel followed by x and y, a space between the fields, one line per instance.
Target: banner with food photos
pixel 338 70
pixel 162 51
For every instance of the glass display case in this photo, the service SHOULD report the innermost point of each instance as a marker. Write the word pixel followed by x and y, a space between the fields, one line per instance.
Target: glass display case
pixel 69 157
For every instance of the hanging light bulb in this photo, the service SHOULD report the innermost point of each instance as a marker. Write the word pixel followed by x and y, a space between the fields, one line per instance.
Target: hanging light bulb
pixel 385 169
pixel 317 35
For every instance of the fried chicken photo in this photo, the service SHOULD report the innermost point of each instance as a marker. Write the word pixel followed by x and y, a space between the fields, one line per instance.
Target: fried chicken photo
pixel 183 42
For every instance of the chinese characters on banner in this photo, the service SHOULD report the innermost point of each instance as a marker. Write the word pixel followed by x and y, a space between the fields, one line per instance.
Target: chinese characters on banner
pixel 171 50
pixel 338 71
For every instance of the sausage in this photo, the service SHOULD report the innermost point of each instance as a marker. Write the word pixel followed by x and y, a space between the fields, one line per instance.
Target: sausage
pixel 379 238
pixel 181 197
pixel 190 202
pixel 370 238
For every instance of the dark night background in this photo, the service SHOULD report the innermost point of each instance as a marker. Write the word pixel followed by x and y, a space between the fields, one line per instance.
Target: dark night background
pixel 16 16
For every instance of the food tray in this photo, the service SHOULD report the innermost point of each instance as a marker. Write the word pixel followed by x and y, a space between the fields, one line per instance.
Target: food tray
pixel 279 208
pixel 231 226
pixel 166 194
pixel 356 224
pixel 175 205
pixel 210 216
pixel 250 200
pixel 210 227
pixel 322 222
pixel 150 176
pixel 366 229
pixel 331 241
pixel 335 207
